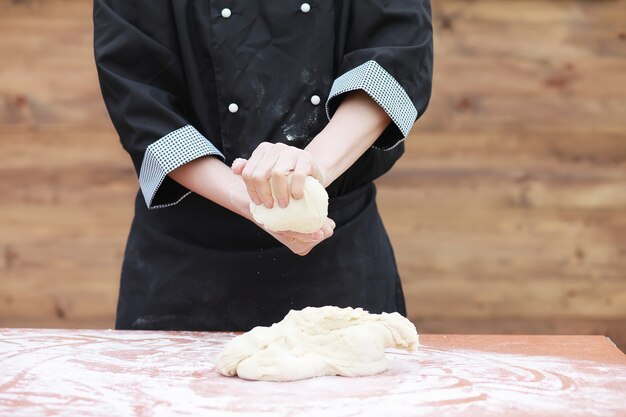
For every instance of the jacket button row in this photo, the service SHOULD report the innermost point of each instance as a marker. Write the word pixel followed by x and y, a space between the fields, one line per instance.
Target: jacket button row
pixel 304 7
pixel 234 108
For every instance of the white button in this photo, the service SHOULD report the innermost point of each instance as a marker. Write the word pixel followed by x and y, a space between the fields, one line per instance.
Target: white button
pixel 233 107
pixel 226 13
pixel 305 7
pixel 315 100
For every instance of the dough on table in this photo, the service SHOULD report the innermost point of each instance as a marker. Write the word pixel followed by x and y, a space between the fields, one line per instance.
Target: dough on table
pixel 304 215
pixel 317 341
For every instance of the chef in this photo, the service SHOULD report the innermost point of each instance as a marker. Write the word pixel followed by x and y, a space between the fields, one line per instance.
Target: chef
pixel 325 88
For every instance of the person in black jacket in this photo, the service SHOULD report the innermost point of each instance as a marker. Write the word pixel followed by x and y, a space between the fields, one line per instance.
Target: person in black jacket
pixel 327 88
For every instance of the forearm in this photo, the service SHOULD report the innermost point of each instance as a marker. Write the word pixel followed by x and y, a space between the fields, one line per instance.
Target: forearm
pixel 353 129
pixel 214 180
pixel 355 126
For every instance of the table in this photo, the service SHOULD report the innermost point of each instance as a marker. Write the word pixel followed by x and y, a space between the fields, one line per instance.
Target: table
pixel 46 372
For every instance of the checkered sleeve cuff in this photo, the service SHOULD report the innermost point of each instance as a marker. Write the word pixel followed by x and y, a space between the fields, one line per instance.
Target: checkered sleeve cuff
pixel 165 155
pixel 383 88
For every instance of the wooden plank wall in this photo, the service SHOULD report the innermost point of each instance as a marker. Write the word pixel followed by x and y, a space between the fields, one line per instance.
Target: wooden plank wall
pixel 507 213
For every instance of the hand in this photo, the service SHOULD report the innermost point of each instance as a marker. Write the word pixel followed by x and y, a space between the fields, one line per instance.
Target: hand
pixel 270 163
pixel 230 191
pixel 299 243
pixel 302 243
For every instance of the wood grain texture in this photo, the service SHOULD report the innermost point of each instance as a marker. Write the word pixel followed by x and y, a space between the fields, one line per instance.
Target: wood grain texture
pixel 507 212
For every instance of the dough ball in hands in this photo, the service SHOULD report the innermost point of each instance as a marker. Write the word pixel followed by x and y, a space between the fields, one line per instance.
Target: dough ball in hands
pixel 304 215
pixel 318 341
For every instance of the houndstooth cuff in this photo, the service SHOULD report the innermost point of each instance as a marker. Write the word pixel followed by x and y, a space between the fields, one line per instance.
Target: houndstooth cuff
pixel 383 88
pixel 168 153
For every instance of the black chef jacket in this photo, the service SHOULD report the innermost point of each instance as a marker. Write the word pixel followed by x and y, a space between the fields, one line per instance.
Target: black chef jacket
pixel 183 79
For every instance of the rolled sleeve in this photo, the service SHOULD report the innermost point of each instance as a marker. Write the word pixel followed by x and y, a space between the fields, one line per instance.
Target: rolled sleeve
pixel 383 88
pixel 165 155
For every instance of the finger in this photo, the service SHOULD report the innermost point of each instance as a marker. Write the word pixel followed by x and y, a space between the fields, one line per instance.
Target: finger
pixel 261 177
pixel 248 170
pixel 316 173
pixel 280 187
pixel 327 230
pixel 300 172
pixel 256 156
pixel 238 165
pixel 280 184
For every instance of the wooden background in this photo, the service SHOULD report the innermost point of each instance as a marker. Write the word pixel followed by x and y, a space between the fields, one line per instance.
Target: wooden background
pixel 508 212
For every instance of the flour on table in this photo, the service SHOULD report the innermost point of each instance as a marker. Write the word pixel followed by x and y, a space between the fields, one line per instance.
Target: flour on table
pixel 304 215
pixel 318 341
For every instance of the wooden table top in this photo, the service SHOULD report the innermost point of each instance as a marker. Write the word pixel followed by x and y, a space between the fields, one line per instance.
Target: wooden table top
pixel 46 372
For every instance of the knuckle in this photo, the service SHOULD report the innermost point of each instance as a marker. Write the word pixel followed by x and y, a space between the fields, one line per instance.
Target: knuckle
pixel 293 154
pixel 277 172
pixel 257 177
pixel 246 175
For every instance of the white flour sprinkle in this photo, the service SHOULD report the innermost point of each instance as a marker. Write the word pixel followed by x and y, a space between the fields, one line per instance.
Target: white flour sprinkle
pixel 105 373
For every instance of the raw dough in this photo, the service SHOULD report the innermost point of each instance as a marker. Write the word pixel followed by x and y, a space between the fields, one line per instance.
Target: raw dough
pixel 316 342
pixel 305 215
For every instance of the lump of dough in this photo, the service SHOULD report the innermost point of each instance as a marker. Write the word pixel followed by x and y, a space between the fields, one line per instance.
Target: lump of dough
pixel 305 215
pixel 317 341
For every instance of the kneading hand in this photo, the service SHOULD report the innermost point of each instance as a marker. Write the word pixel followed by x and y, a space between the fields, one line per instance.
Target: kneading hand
pixel 267 170
pixel 299 243
pixel 272 162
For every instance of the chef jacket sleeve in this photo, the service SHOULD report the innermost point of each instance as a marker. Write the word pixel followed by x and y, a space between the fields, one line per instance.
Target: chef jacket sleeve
pixel 389 55
pixel 143 85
